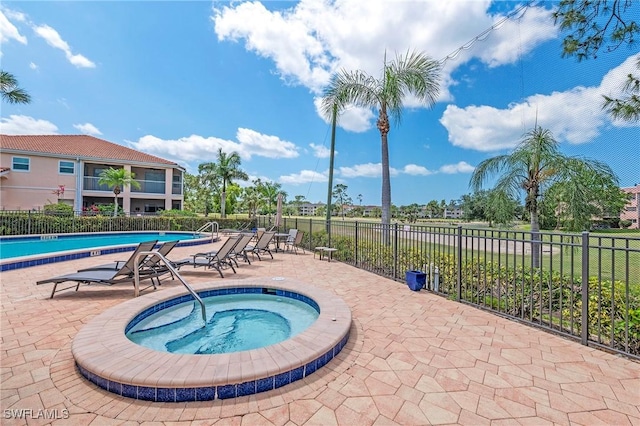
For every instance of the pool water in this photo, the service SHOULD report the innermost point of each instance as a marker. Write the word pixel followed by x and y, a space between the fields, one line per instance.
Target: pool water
pixel 237 322
pixel 27 246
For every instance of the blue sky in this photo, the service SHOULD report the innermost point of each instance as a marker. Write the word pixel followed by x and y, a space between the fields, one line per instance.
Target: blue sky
pixel 181 79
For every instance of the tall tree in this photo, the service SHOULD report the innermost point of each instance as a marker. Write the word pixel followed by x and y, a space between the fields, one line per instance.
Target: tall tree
pixel 228 170
pixel 118 179
pixel 210 182
pixel 410 74
pixel 341 197
pixel 596 25
pixel 535 164
pixel 11 93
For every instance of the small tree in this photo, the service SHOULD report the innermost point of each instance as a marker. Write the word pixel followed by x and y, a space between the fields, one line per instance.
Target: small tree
pixel 118 179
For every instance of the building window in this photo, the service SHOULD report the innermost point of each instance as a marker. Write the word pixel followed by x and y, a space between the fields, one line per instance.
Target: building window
pixel 20 164
pixel 66 167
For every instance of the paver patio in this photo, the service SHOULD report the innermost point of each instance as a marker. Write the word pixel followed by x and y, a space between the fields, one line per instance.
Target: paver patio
pixel 413 358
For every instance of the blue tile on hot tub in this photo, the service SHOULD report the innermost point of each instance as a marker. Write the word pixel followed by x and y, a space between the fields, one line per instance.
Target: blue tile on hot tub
pixel 185 394
pixel 282 379
pixel 115 387
pixel 129 391
pixel 297 373
pixel 263 385
pixel 310 368
pixel 166 395
pixel 226 391
pixel 246 388
pixel 206 394
pixel 146 393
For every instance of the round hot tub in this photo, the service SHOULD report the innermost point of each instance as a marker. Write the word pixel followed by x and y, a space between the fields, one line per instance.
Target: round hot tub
pixel 194 361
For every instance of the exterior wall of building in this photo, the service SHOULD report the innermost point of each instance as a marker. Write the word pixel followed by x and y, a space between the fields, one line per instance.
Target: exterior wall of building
pixel 632 209
pixel 34 188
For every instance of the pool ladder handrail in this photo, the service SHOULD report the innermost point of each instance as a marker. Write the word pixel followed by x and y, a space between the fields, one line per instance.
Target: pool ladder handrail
pixel 215 227
pixel 148 255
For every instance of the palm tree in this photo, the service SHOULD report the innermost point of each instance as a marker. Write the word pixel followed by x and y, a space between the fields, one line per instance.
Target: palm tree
pixel 117 179
pixel 534 165
pixel 209 180
pixel 11 93
pixel 410 74
pixel 228 169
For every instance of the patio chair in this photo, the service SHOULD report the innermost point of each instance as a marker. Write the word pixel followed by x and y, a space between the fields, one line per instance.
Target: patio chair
pixel 149 261
pixel 295 243
pixel 214 259
pixel 288 239
pixel 124 272
pixel 239 250
pixel 262 246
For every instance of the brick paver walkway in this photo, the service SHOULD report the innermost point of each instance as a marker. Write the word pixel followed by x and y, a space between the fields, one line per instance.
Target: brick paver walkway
pixel 413 358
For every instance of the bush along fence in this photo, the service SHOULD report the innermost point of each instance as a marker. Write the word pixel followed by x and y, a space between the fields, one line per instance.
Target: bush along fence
pixel 33 223
pixel 583 286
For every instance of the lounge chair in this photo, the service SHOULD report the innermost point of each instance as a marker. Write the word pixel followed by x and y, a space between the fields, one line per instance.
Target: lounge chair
pixel 215 259
pixel 244 228
pixel 262 246
pixel 107 276
pixel 294 243
pixel 149 261
pixel 239 251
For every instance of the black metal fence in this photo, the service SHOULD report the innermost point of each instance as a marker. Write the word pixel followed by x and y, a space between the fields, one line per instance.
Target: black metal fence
pixel 585 286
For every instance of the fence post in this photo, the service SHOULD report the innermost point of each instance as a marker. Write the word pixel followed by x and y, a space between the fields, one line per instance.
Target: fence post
pixel 459 265
pixel 29 223
pixel 356 246
pixel 584 329
pixel 395 251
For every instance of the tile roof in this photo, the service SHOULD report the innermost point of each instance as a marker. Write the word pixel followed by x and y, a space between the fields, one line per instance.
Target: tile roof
pixel 82 146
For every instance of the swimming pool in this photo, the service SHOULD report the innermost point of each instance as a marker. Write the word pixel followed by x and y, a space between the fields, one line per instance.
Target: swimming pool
pixel 24 251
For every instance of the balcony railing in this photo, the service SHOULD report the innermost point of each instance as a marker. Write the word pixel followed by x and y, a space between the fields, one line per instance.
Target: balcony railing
pixel 146 186
pixel 150 186
pixel 176 188
pixel 91 184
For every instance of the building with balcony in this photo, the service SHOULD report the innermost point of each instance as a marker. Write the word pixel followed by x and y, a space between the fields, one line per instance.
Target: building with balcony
pixel 43 169
pixel 631 211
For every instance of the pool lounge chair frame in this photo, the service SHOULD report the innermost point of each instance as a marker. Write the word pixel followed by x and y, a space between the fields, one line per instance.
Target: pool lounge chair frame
pixel 217 260
pixel 262 246
pixel 107 276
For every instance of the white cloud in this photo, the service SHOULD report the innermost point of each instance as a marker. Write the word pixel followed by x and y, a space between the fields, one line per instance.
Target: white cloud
pixel 33 66
pixel 321 151
pixel 25 125
pixel 414 169
pixel 53 39
pixel 304 176
pixel 311 39
pixel 8 31
pixel 88 128
pixel 200 148
pixel 574 116
pixel 460 167
pixel 370 170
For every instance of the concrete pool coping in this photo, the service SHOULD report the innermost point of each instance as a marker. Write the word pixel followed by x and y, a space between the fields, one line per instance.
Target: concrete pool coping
pixel 105 356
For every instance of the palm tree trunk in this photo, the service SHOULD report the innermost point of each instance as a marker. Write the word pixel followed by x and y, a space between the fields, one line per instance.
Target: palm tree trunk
pixel 536 246
pixel 383 126
pixel 115 206
pixel 223 202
